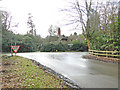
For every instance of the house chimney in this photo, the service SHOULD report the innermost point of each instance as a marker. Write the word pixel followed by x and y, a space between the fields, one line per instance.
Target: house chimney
pixel 59 32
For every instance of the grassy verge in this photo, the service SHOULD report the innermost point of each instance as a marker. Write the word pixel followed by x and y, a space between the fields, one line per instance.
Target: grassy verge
pixel 19 72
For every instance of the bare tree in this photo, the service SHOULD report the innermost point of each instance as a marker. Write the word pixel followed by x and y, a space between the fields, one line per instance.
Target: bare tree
pixel 52 30
pixel 31 25
pixel 6 20
pixel 0 32
pixel 81 15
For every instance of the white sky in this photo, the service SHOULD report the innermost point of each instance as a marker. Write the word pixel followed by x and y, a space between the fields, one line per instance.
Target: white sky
pixel 44 12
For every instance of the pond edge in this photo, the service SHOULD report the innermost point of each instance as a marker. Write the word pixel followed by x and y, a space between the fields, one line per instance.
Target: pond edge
pixel 66 80
pixel 103 59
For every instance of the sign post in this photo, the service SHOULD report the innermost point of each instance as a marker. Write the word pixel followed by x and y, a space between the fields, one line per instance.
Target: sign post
pixel 15 48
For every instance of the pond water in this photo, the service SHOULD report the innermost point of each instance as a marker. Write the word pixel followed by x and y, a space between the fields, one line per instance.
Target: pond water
pixel 85 72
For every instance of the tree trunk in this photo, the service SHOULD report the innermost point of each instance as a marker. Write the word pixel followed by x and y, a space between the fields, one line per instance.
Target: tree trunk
pixel 88 45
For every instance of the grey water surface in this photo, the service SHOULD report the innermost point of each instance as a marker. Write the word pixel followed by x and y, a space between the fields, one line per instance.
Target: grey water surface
pixel 85 72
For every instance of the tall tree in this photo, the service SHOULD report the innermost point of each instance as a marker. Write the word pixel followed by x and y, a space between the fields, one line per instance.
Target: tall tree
pixel 109 22
pixel 6 20
pixel 31 25
pixel 0 31
pixel 52 30
pixel 81 16
pixel 119 15
pixel 118 28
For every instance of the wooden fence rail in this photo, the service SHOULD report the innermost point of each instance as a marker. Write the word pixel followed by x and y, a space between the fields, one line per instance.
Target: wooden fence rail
pixel 115 54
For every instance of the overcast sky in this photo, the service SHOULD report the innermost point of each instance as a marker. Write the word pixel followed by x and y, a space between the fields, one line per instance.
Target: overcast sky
pixel 44 12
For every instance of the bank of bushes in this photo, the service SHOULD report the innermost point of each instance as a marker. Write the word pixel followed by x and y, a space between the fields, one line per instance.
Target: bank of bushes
pixel 30 43
pixel 54 47
pixel 79 47
pixel 64 47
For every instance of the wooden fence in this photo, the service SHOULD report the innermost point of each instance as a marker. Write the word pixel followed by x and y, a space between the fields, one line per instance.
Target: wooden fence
pixel 115 54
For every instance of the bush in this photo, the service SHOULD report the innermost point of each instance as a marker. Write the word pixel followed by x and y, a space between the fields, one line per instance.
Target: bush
pixel 52 48
pixel 79 47
pixel 64 47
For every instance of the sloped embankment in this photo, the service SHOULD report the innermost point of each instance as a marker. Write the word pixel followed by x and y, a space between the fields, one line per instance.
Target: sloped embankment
pixel 19 72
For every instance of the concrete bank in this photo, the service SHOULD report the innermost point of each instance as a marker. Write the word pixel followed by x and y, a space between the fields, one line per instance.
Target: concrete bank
pixel 101 58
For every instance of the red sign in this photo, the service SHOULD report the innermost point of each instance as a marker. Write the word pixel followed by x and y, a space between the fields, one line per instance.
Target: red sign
pixel 15 48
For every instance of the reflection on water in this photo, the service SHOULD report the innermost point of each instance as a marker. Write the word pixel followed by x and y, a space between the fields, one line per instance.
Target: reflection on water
pixel 81 71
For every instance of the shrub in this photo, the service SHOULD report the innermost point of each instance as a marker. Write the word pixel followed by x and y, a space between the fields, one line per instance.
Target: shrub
pixel 79 47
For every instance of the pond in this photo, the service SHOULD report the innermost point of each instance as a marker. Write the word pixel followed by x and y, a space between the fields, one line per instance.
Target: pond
pixel 86 73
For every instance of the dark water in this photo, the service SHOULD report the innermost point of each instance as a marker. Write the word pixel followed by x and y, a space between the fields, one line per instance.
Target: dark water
pixel 86 73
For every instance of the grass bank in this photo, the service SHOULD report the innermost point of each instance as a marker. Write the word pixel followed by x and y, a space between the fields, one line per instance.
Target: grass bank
pixel 19 72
